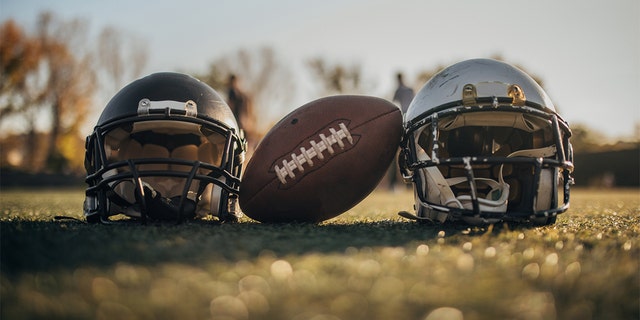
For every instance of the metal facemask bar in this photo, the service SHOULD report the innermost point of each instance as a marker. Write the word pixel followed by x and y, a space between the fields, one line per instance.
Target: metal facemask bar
pixel 409 162
pixel 226 179
pixel 100 193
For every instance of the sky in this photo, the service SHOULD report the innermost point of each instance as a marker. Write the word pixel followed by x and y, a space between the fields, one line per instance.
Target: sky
pixel 586 52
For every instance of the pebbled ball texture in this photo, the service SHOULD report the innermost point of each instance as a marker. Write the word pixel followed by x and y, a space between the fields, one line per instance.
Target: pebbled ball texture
pixel 321 159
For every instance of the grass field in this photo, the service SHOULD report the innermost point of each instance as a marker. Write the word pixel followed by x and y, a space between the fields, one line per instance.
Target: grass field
pixel 365 264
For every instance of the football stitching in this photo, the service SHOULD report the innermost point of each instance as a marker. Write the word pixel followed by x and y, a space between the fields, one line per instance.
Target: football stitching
pixel 307 155
pixel 248 201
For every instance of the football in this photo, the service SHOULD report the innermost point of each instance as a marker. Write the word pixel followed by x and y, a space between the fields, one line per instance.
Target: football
pixel 321 159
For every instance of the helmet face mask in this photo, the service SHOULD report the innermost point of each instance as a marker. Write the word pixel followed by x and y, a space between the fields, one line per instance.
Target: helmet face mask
pixel 165 148
pixel 478 151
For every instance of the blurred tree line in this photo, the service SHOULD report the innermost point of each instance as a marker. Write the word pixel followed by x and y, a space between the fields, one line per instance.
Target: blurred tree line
pixel 49 78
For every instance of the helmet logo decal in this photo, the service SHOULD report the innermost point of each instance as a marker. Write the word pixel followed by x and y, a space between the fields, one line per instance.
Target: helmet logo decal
pixel 340 138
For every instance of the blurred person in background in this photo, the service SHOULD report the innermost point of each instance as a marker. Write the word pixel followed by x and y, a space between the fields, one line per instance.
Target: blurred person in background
pixel 241 106
pixel 403 96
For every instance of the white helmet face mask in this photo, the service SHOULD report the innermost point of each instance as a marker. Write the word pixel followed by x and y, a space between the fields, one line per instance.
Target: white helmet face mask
pixel 166 147
pixel 483 143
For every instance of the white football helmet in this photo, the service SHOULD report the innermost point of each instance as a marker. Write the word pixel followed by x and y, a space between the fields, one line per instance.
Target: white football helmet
pixel 166 147
pixel 483 143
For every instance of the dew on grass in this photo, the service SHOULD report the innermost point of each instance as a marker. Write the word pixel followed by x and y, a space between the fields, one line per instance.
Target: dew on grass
pixel 281 269
pixel 130 275
pixel 422 250
pixel 369 268
pixel 534 305
pixel 103 288
pixel 528 253
pixel 385 287
pixel 228 307
pixel 442 313
pixel 345 302
pixel 549 268
pixel 244 266
pixel 393 252
pixel 165 292
pixel 254 283
pixel 465 262
pixel 359 284
pixel 551 259
pixel 256 302
pixel 490 252
pixel 531 271
pixel 573 270
pixel 303 279
pixel 314 316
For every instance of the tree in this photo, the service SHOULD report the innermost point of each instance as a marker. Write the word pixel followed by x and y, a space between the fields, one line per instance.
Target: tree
pixel 52 74
pixel 424 75
pixel 55 81
pixel 70 86
pixel 585 139
pixel 21 88
pixel 19 58
pixel 336 78
pixel 264 77
pixel 121 56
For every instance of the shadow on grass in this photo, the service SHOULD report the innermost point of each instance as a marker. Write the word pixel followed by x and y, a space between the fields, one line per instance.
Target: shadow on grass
pixel 47 246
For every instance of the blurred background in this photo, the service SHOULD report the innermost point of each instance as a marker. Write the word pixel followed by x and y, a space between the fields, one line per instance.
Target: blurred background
pixel 61 62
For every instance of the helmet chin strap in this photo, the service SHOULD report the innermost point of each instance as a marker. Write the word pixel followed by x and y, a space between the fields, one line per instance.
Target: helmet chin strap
pixel 167 209
pixel 495 201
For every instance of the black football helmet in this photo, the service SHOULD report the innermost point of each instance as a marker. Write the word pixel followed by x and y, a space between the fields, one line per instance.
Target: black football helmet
pixel 166 147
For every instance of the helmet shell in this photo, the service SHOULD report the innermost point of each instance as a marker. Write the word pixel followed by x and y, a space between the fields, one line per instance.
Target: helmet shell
pixel 168 86
pixel 446 86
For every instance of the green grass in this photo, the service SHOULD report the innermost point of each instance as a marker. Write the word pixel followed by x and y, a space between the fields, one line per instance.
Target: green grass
pixel 365 264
